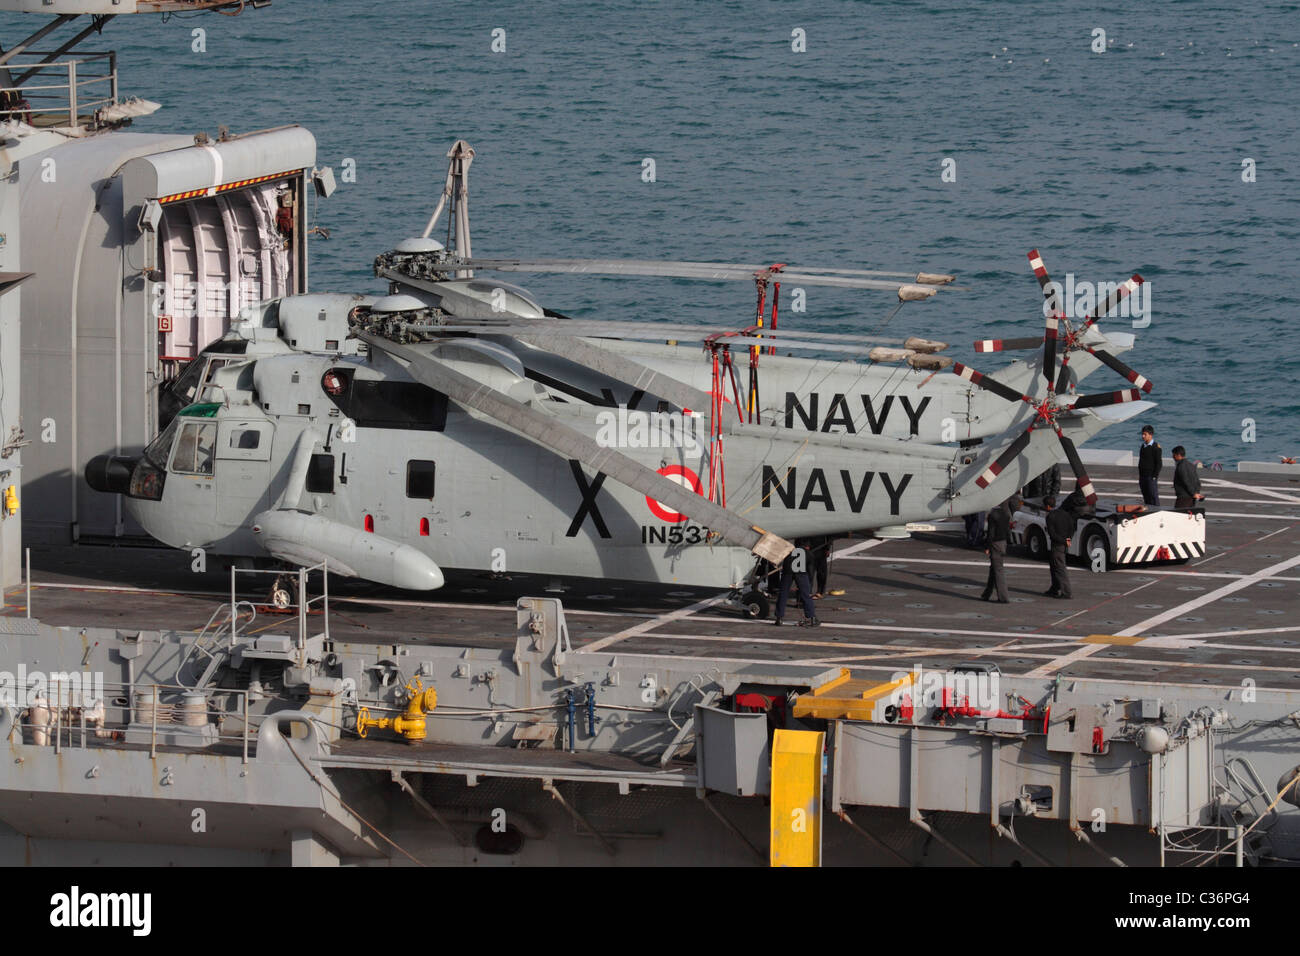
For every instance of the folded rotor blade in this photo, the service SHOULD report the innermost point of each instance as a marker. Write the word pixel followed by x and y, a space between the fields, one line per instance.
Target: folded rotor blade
pixel 1076 463
pixel 1108 398
pixel 1141 381
pixel 1007 457
pixel 992 384
pixel 555 436
pixel 1007 345
pixel 618 366
pixel 686 270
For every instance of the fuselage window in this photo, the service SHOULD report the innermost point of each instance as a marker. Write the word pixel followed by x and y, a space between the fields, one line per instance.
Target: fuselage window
pixel 385 404
pixel 194 448
pixel 247 438
pixel 320 475
pixel 419 479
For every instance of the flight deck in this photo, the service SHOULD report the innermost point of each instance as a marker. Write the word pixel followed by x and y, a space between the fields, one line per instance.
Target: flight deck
pixel 1218 619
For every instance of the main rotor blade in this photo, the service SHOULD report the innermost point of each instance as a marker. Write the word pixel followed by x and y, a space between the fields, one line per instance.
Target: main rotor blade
pixel 992 384
pixel 1141 381
pixel 1101 399
pixel 1076 463
pixel 1008 345
pixel 1007 457
pixel 552 435
pixel 683 270
pixel 620 367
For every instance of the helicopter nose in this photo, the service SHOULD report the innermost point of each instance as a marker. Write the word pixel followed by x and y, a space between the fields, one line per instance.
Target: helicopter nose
pixel 110 474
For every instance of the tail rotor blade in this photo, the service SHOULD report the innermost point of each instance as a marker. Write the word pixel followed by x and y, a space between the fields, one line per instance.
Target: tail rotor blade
pixel 1007 345
pixel 1121 292
pixel 1076 463
pixel 992 384
pixel 1051 291
pixel 1063 377
pixel 1007 457
pixel 1051 310
pixel 1141 381
pixel 1108 398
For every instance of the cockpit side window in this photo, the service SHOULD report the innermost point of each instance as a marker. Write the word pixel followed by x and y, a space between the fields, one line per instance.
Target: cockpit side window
pixel 384 403
pixel 194 448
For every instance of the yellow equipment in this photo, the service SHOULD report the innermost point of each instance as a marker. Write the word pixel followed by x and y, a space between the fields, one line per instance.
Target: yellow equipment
pixel 410 724
pixel 11 500
pixel 796 798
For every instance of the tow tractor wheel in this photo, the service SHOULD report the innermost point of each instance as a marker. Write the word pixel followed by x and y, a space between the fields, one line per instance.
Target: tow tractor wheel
pixel 755 605
pixel 1094 540
pixel 1036 544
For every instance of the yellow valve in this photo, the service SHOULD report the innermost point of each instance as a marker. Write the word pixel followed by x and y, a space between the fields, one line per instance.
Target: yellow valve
pixel 11 500
pixel 410 723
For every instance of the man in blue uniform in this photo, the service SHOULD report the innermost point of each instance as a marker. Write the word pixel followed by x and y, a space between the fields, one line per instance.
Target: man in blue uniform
pixel 794 570
pixel 1149 462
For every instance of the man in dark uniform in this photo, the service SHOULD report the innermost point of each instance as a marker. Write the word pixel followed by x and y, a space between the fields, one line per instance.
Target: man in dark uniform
pixel 1060 529
pixel 821 563
pixel 1187 483
pixel 998 529
pixel 794 569
pixel 1150 458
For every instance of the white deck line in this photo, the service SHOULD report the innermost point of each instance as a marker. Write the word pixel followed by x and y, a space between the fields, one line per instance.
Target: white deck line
pixel 650 625
pixel 1223 483
pixel 1168 615
pixel 1158 570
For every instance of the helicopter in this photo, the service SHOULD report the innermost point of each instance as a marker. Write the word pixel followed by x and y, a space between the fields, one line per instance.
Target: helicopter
pixel 413 451
pixel 454 423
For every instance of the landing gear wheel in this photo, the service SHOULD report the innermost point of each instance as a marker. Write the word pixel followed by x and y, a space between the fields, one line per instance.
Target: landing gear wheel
pixel 755 606
pixel 1036 544
pixel 284 593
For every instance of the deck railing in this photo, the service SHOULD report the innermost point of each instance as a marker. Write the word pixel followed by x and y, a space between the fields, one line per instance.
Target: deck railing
pixel 43 91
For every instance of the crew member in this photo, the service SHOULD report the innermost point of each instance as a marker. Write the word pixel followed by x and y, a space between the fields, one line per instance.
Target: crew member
pixel 1060 529
pixel 1187 483
pixel 998 530
pixel 821 563
pixel 1149 462
pixel 794 570
pixel 974 529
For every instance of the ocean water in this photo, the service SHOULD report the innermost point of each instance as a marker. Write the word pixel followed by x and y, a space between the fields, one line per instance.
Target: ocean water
pixel 1109 163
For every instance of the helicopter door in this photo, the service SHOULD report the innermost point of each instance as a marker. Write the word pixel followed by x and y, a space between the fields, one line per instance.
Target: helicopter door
pixel 243 469
pixel 189 489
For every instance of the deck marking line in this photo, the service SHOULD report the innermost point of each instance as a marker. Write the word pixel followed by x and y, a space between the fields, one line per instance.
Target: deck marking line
pixel 651 624
pixel 1169 615
pixel 1222 483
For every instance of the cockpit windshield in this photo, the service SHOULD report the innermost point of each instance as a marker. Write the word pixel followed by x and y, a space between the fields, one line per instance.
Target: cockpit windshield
pixel 156 451
pixel 199 440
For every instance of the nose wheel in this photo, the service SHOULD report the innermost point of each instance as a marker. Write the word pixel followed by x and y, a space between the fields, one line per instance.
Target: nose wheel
pixel 283 596
pixel 754 605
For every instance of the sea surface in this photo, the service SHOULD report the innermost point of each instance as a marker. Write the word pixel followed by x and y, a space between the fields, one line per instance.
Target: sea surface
pixel 1126 160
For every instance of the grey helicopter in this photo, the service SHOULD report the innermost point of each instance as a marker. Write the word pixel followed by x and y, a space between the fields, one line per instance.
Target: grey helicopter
pixel 412 451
